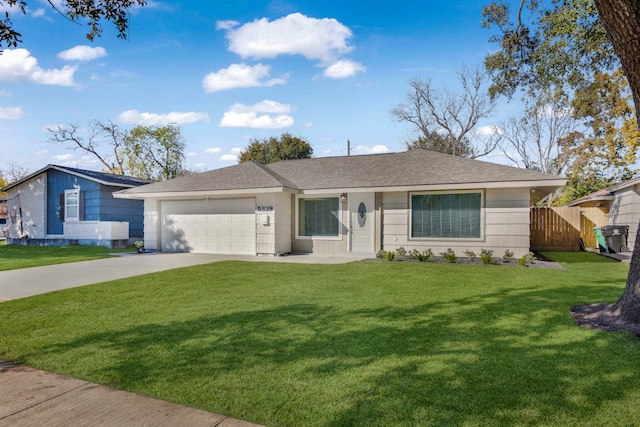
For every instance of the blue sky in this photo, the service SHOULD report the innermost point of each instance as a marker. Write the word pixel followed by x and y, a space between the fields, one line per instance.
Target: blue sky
pixel 229 71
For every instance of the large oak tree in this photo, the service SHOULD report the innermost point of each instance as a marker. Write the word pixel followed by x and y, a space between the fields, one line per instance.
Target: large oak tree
pixel 91 12
pixel 621 20
pixel 579 57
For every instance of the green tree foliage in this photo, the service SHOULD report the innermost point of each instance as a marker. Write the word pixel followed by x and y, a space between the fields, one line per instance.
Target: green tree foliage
pixel 154 152
pixel 447 121
pixel 562 46
pixel 604 155
pixel 150 152
pixel 91 12
pixel 560 43
pixel 273 149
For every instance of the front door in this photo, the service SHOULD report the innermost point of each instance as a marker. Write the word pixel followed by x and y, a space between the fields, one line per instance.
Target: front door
pixel 361 222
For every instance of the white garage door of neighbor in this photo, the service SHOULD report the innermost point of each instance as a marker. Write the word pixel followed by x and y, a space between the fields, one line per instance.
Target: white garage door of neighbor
pixel 209 226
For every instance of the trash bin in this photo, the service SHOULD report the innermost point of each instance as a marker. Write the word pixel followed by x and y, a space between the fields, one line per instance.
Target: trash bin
pixel 602 243
pixel 616 237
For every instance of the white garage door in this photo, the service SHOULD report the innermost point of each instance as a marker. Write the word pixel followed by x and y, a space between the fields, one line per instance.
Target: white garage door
pixel 212 226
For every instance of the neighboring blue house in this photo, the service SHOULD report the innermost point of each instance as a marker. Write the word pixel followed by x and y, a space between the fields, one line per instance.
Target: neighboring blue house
pixel 58 205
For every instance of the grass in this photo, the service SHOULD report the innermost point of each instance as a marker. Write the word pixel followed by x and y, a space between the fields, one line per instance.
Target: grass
pixel 15 256
pixel 360 344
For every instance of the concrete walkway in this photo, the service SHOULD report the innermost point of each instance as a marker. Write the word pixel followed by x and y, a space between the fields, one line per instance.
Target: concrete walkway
pixel 27 282
pixel 29 397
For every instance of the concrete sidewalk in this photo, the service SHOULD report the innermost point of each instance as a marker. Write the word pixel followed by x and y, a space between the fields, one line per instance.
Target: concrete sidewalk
pixel 30 397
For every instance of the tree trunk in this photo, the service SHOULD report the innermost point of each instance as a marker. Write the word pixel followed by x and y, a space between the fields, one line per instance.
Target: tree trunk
pixel 628 306
pixel 621 20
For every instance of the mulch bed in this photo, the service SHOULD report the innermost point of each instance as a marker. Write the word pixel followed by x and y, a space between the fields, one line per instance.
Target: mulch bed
pixel 601 316
pixel 540 262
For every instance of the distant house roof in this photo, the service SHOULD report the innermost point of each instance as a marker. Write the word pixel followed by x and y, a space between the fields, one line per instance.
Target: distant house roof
pixel 604 195
pixel 413 168
pixel 100 177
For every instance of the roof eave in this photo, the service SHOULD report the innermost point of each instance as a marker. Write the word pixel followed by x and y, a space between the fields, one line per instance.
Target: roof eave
pixel 554 184
pixel 63 169
pixel 185 195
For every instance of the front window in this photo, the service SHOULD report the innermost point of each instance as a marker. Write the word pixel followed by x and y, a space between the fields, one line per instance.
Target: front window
pixel 71 205
pixel 319 217
pixel 446 216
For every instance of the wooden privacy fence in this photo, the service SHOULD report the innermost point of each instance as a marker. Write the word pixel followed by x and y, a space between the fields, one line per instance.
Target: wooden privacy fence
pixel 560 229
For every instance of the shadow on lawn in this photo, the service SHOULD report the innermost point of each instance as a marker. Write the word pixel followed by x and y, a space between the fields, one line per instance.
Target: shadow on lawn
pixel 510 357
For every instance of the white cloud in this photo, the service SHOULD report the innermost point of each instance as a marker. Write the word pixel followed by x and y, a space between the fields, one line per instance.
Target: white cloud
pixel 9 8
pixel 38 13
pixel 239 75
pixel 63 157
pixel 11 113
pixel 213 150
pixel 263 115
pixel 18 64
pixel 324 39
pixel 343 68
pixel 488 130
pixel 153 119
pixel 232 156
pixel 82 53
pixel 376 149
pixel 226 25
pixel 266 106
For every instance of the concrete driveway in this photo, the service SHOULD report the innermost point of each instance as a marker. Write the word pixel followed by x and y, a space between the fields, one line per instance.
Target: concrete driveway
pixel 27 282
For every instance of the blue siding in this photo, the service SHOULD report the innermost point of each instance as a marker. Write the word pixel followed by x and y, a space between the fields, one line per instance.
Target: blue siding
pixel 57 182
pixel 112 209
pixel 99 203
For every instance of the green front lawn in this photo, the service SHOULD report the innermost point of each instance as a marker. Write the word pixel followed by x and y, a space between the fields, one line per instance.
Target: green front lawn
pixel 14 256
pixel 359 344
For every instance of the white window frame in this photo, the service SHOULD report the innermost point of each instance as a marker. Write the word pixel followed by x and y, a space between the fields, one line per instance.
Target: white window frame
pixel 456 239
pixel 319 196
pixel 67 217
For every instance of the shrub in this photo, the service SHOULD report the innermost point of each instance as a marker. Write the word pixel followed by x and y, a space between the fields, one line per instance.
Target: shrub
pixel 381 254
pixel 507 256
pixel 522 260
pixel 389 255
pixel 425 255
pixel 470 255
pixel 449 256
pixel 486 255
pixel 530 258
pixel 401 252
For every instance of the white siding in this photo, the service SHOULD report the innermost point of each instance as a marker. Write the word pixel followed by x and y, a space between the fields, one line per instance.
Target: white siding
pixel 151 230
pixel 505 226
pixel 31 198
pixel 276 236
pixel 625 210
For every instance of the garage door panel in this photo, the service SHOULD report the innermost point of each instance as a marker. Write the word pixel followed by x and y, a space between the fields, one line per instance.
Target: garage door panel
pixel 221 226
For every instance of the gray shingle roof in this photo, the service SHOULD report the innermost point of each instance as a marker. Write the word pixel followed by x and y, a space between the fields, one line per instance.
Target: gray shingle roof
pixel 101 177
pixel 409 168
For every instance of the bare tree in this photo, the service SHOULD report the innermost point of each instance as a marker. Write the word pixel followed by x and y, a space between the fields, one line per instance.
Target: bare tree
pixel 535 139
pixel 98 135
pixel 14 172
pixel 449 118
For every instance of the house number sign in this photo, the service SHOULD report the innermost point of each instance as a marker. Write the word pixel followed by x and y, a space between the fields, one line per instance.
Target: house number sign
pixel 362 214
pixel 265 208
